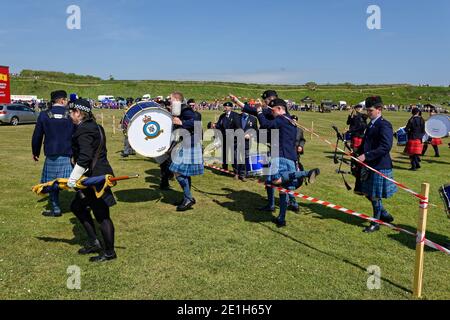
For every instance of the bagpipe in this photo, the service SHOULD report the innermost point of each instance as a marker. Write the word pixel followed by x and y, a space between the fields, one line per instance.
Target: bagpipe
pixel 99 183
pixel 360 172
pixel 444 192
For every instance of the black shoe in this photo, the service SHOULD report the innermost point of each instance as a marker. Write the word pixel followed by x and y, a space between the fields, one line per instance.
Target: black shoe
pixel 51 213
pixel 91 248
pixel 185 205
pixel 124 155
pixel 295 209
pixel 103 257
pixel 242 179
pixel 179 203
pixel 267 209
pixel 372 228
pixel 278 223
pixel 388 218
pixel 313 174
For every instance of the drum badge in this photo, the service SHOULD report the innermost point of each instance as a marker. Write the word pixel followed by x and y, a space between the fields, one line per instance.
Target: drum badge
pixel 151 128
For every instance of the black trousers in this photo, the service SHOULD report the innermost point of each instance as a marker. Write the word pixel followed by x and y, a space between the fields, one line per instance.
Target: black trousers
pixel 86 199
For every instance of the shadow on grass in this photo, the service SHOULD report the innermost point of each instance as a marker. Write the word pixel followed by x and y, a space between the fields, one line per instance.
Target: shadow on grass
pixel 410 241
pixel 243 201
pixel 79 238
pixel 219 173
pixel 328 213
pixel 344 260
pixel 65 199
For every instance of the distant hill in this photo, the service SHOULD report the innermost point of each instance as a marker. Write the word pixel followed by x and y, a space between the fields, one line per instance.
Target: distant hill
pixel 41 83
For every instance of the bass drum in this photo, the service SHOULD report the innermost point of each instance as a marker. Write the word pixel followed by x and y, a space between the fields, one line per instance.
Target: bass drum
pixel 438 126
pixel 149 128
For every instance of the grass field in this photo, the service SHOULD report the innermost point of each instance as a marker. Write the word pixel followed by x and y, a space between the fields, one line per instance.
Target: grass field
pixel 224 248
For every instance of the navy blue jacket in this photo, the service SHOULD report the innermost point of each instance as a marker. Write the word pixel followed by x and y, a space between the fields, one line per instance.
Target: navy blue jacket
pixel 188 118
pixel 287 135
pixel 56 133
pixel 378 144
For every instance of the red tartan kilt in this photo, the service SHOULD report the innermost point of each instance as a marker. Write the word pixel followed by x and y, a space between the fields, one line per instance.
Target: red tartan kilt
pixel 414 147
pixel 356 142
pixel 436 141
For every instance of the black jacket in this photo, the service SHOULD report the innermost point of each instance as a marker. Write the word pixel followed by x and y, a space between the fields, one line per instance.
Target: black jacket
pixel 377 144
pixel 85 143
pixel 231 122
pixel 358 125
pixel 415 128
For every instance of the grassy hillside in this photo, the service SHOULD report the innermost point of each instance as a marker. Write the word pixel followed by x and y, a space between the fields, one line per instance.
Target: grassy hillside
pixel 42 83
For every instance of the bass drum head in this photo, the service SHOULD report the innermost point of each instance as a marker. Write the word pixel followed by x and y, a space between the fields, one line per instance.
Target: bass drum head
pixel 438 126
pixel 150 131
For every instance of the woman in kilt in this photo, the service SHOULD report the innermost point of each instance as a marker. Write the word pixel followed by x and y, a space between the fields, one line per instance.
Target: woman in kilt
pixel 187 158
pixel 415 130
pixel 90 158
pixel 377 144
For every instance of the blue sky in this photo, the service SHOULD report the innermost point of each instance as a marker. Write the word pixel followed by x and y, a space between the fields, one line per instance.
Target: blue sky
pixel 264 41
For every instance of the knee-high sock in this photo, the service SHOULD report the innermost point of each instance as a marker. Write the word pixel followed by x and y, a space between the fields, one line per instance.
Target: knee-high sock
pixel 87 222
pixel 378 209
pixel 184 183
pixel 283 206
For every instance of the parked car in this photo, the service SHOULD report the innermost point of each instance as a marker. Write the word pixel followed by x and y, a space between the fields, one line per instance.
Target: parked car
pixel 17 113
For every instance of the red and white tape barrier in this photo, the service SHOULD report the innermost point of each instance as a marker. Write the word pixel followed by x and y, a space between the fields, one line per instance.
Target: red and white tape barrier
pixel 420 237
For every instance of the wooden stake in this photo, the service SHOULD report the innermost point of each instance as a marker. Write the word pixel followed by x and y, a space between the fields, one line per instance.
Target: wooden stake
pixel 102 118
pixel 114 124
pixel 312 129
pixel 420 243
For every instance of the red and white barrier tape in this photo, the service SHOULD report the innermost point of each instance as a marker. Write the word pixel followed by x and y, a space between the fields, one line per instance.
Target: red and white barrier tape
pixel 334 146
pixel 429 243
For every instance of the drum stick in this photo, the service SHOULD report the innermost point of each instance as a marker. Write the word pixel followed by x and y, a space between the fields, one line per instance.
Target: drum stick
pixel 123 178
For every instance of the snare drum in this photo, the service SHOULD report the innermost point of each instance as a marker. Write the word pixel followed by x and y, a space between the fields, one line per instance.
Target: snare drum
pixel 402 137
pixel 149 128
pixel 254 164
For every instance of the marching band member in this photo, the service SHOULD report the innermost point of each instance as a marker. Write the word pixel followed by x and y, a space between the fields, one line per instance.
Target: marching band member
pixel 415 130
pixel 188 161
pixel 283 167
pixel 248 122
pixel 299 147
pixel 267 97
pixel 375 152
pixel 55 128
pixel 357 125
pixel 90 158
pixel 228 120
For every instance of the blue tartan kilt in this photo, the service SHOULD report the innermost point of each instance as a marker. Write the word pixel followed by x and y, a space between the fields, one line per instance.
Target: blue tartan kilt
pixel 188 161
pixel 56 167
pixel 377 187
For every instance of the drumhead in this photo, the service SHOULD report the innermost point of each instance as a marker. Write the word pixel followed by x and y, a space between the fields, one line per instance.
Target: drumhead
pixel 149 129
pixel 438 126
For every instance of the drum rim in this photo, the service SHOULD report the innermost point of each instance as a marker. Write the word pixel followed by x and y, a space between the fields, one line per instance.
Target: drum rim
pixel 155 107
pixel 437 117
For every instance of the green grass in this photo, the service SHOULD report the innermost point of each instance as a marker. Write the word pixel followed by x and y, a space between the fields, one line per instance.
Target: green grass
pixel 224 248
pixel 87 87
